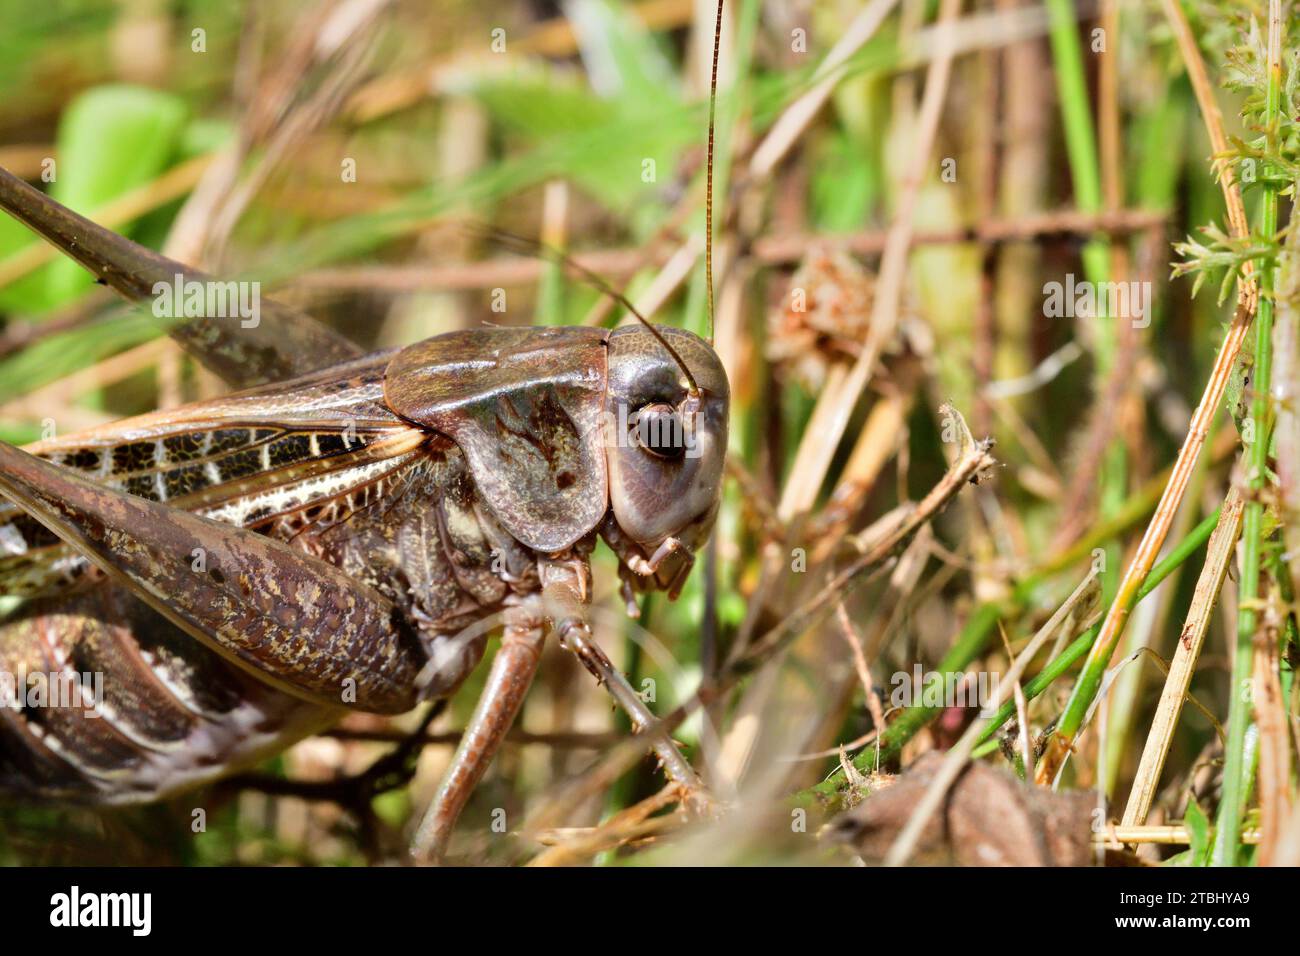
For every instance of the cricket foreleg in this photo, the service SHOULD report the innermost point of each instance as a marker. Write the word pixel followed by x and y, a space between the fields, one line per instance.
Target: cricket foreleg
pixel 512 672
pixel 291 620
pixel 564 599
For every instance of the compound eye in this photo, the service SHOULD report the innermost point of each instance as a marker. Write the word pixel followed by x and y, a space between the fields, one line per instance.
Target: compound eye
pixel 659 431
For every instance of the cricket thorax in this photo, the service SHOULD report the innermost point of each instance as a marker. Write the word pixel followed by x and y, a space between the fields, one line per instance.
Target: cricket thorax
pixel 431 547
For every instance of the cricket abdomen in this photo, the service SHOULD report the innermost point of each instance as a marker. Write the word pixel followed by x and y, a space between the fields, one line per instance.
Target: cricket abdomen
pixel 106 702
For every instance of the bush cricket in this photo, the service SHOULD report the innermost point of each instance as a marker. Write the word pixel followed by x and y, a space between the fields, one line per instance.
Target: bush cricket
pixel 335 534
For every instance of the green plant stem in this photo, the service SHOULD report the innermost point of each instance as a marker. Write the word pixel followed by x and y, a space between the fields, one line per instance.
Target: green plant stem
pixel 1081 149
pixel 1180 553
pixel 1076 113
pixel 972 641
pixel 1237 765
pixel 1040 682
pixel 1159 167
pixel 1082 644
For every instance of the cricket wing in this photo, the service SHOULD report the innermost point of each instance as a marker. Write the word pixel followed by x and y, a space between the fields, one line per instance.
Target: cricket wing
pixel 273 460
pixel 290 619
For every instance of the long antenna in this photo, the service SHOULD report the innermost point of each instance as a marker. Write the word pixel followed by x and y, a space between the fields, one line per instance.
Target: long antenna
pixel 708 196
pixel 534 247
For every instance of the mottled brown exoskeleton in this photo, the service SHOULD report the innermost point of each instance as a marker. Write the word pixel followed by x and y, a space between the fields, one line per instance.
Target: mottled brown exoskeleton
pixel 243 571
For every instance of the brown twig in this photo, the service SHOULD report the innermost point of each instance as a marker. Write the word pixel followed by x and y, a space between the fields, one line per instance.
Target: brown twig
pixel 636 823
pixel 788 129
pixel 1275 800
pixel 973 462
pixel 766 250
pixel 1173 835
pixel 577 740
pixel 1178 682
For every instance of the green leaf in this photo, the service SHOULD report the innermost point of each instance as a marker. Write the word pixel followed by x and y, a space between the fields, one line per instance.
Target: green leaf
pixel 50 358
pixel 30 293
pixel 538 106
pixel 1198 830
pixel 624 60
pixel 618 157
pixel 201 136
pixel 843 186
pixel 111 139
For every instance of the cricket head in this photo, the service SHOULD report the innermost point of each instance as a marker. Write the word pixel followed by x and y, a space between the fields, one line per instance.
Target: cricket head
pixel 666 451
